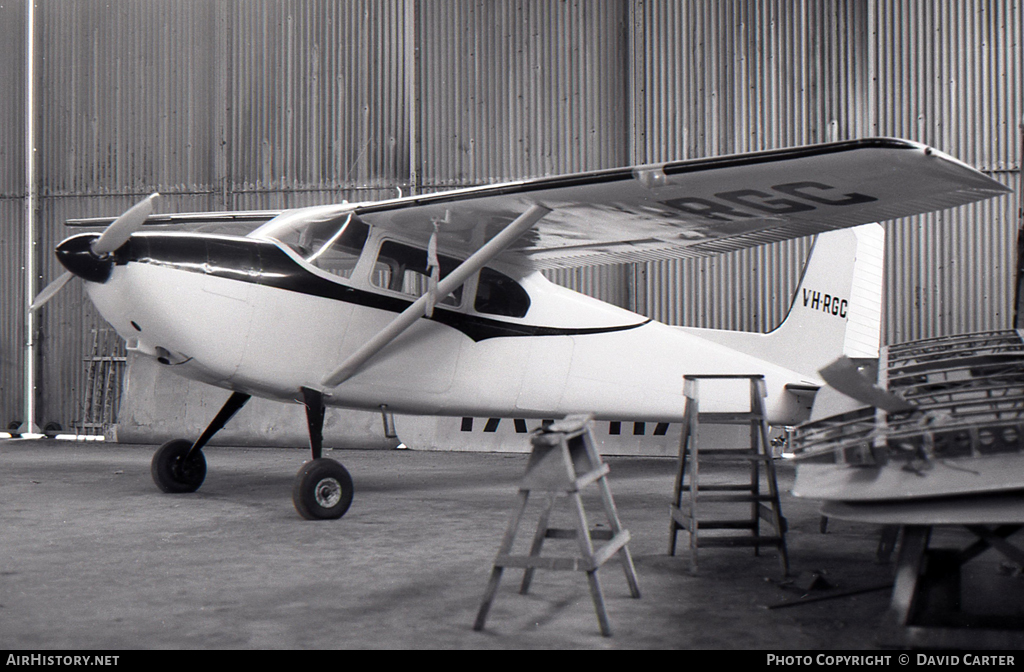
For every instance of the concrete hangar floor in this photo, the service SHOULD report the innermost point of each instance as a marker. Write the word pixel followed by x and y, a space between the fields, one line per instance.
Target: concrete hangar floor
pixel 93 556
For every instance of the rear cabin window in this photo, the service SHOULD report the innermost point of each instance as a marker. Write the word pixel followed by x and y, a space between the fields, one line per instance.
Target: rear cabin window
pixel 403 268
pixel 498 294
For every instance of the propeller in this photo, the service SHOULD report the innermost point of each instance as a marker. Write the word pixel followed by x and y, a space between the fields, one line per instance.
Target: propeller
pixel 51 290
pixel 120 229
pixel 113 237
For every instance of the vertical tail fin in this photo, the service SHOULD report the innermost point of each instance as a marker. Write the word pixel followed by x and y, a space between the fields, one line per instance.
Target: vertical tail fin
pixel 837 309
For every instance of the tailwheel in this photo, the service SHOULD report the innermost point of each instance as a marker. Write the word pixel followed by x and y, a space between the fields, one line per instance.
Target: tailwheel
pixel 174 470
pixel 323 490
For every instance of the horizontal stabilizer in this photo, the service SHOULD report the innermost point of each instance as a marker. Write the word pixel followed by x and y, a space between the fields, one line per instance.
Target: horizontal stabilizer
pixel 843 375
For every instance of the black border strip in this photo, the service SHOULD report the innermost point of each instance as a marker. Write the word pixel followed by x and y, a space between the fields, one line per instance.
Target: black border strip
pixel 262 262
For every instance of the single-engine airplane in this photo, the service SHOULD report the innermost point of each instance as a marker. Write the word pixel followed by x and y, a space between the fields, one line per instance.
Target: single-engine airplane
pixel 435 304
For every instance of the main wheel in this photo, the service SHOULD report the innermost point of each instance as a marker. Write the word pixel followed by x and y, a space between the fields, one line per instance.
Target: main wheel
pixel 323 490
pixel 172 472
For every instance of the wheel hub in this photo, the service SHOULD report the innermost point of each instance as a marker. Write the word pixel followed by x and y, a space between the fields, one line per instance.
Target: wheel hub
pixel 327 492
pixel 185 468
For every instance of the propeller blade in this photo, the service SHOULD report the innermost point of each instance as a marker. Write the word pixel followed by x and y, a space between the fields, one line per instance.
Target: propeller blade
pixel 51 290
pixel 121 228
pixel 843 375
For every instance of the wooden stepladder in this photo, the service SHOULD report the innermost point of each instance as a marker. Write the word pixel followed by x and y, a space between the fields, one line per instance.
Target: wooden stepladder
pixel 691 497
pixel 564 461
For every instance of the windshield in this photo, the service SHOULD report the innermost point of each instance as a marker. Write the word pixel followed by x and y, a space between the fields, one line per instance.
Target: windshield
pixel 332 243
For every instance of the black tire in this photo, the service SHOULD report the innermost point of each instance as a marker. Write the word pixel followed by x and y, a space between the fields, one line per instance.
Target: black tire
pixel 172 472
pixel 323 490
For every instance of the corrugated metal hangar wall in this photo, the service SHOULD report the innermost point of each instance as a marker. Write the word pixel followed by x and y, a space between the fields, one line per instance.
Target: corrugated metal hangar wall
pixel 244 105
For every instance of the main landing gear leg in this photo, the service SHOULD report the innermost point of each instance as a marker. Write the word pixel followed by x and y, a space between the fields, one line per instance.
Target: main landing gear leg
pixel 179 465
pixel 323 488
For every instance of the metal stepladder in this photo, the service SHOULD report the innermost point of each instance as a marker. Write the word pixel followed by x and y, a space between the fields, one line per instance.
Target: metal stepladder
pixel 686 512
pixel 105 370
pixel 563 461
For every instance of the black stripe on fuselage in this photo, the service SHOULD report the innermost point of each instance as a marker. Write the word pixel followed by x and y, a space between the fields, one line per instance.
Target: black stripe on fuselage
pixel 264 263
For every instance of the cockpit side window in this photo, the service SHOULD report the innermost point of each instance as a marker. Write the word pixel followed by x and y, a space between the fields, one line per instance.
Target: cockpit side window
pixel 403 268
pixel 338 252
pixel 333 245
pixel 498 294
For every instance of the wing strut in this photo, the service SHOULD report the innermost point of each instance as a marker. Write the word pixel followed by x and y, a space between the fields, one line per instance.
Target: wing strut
pixel 446 286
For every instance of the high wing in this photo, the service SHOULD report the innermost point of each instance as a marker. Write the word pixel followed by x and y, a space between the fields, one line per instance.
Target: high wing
pixel 214 222
pixel 700 207
pixel 691 208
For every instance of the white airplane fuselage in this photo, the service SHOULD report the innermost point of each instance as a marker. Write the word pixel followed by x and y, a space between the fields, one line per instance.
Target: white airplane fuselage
pixel 432 304
pixel 249 315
